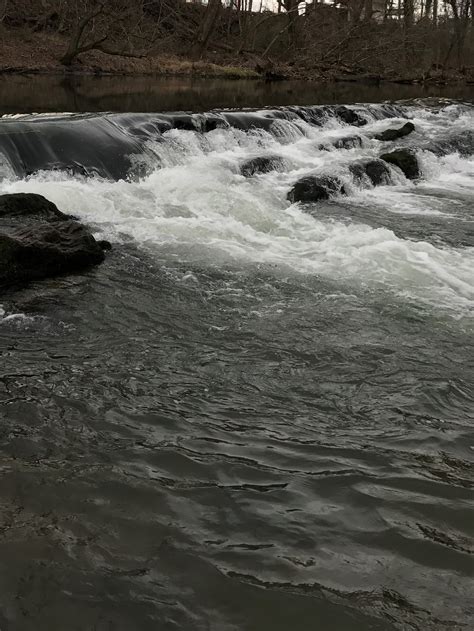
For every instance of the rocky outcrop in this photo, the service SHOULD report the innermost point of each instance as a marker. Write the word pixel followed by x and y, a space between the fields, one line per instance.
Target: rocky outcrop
pixel 263 164
pixel 376 171
pixel 315 188
pixel 394 134
pixel 405 160
pixel 38 241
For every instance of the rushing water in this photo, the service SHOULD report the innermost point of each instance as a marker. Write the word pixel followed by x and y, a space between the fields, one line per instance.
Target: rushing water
pixel 253 415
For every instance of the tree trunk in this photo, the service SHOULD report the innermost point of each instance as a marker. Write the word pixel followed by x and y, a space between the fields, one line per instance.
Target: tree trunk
pixel 76 47
pixel 368 9
pixel 356 10
pixel 408 13
pixel 461 22
pixel 206 28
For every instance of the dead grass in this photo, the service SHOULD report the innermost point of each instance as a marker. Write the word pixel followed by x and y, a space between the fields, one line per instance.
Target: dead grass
pixel 22 49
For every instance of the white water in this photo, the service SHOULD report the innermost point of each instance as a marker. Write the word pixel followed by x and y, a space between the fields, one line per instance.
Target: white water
pixel 6 317
pixel 198 207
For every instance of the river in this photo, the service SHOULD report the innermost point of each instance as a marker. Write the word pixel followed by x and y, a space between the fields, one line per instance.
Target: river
pixel 255 415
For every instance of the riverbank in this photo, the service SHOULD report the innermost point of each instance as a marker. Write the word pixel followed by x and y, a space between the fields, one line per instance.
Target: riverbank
pixel 23 51
pixel 26 52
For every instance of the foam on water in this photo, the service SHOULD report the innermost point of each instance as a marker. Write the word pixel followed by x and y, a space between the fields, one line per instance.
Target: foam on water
pixel 199 207
pixel 13 318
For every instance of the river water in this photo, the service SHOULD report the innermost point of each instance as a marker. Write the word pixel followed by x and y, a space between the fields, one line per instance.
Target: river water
pixel 254 415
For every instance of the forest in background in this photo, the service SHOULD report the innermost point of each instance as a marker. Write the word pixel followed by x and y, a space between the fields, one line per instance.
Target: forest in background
pixel 404 40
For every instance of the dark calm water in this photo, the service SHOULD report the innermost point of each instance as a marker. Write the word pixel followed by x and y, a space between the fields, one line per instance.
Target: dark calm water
pixel 56 93
pixel 253 416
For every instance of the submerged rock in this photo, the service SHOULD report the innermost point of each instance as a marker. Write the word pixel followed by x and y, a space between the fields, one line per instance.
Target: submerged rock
pixel 348 142
pixel 393 134
pixel 349 116
pixel 263 164
pixel 38 241
pixel 376 170
pixel 315 188
pixel 405 160
pixel 462 143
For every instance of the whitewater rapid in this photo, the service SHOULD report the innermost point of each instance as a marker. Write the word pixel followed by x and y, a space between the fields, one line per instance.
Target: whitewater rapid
pixel 188 200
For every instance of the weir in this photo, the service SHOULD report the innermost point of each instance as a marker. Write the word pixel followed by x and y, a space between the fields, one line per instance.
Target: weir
pixel 117 146
pixel 227 185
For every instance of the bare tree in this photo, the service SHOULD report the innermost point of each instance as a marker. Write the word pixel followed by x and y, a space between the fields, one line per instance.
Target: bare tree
pixel 84 37
pixel 408 13
pixel 206 27
pixel 403 38
pixel 114 27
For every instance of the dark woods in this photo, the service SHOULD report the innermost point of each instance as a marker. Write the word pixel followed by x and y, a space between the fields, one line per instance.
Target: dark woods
pixel 427 39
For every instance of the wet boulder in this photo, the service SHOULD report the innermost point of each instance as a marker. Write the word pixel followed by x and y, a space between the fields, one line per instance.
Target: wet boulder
pixel 187 122
pixel 262 164
pixel 315 188
pixel 394 134
pixel 311 115
pixel 49 250
pixel 38 241
pixel 405 160
pixel 106 246
pixel 210 123
pixel 350 116
pixel 375 170
pixel 16 205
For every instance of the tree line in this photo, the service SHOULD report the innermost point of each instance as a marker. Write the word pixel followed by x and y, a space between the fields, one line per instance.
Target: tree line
pixel 375 36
